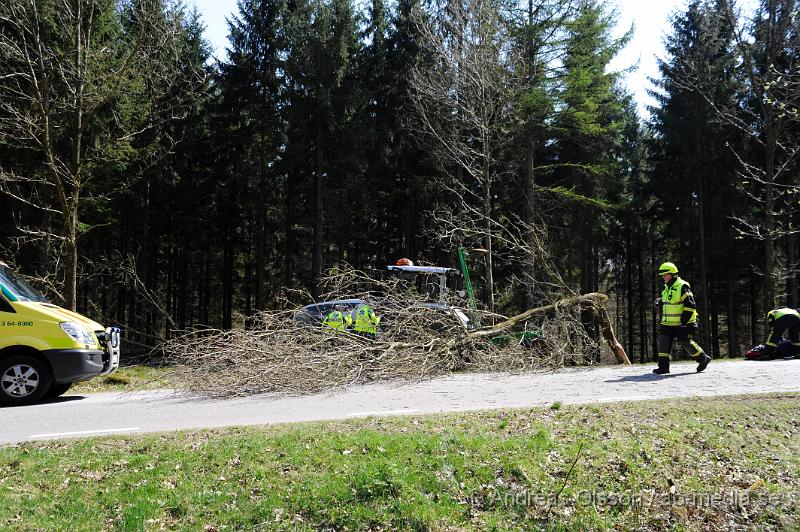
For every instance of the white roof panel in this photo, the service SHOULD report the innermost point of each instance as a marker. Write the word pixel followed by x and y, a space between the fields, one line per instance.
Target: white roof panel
pixel 422 269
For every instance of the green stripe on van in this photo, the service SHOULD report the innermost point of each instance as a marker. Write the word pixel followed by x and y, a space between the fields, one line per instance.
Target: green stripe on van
pixel 7 293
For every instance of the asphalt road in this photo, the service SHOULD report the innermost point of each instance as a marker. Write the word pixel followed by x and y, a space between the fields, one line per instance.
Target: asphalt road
pixel 165 410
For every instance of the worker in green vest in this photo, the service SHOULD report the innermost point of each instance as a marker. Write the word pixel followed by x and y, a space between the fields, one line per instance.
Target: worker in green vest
pixel 779 321
pixel 365 322
pixel 335 319
pixel 678 320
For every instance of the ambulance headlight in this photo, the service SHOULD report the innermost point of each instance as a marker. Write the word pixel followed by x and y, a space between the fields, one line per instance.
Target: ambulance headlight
pixel 77 332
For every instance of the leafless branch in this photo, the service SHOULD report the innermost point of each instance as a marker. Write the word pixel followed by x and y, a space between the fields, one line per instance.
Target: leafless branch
pixel 414 342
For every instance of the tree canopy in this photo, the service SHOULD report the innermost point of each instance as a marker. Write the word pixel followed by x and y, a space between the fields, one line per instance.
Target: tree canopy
pixel 145 185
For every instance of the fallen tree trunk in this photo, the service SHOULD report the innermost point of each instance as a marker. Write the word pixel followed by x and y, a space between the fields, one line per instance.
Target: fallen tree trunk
pixel 594 302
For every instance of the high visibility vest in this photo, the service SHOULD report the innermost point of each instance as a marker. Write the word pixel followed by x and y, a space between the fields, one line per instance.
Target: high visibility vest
pixel 335 320
pixel 365 320
pixel 781 312
pixel 672 303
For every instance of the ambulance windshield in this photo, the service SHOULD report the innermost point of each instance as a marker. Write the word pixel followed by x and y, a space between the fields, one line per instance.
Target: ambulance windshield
pixel 16 288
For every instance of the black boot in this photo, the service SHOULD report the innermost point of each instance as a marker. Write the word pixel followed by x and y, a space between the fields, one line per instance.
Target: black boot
pixel 702 362
pixel 663 366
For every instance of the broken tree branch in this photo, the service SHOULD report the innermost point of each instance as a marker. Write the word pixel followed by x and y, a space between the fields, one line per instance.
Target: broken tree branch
pixel 594 302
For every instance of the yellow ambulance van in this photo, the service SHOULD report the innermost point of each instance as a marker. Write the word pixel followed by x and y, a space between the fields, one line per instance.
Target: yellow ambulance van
pixel 45 348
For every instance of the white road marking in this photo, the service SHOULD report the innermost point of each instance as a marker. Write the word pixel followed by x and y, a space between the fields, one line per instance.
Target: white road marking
pixel 618 399
pixel 83 432
pixel 382 412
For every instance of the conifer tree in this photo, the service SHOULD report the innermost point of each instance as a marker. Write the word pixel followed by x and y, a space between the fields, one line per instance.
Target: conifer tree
pixel 588 130
pixel 694 174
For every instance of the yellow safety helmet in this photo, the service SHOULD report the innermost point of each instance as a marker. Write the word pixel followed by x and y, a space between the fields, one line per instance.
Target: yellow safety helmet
pixel 667 267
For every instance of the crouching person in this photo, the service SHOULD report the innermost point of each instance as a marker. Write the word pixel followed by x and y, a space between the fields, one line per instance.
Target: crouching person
pixel 780 321
pixel 336 319
pixel 365 322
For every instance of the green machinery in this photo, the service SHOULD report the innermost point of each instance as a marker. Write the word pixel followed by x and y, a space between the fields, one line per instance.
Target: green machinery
pixel 473 305
pixel 521 337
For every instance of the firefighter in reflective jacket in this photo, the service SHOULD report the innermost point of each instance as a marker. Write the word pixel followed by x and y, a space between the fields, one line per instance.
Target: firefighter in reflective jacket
pixel 779 321
pixel 336 319
pixel 365 322
pixel 678 320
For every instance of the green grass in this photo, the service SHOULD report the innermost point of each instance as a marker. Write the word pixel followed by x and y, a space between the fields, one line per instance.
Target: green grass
pixel 128 378
pixel 611 466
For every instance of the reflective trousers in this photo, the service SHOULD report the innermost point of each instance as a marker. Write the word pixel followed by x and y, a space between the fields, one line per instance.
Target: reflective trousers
pixel 685 337
pixel 780 326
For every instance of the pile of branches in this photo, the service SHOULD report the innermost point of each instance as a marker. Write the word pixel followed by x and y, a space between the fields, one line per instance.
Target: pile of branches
pixel 273 352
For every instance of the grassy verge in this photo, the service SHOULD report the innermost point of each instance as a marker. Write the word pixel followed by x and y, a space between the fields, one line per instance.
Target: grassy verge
pixel 128 378
pixel 709 464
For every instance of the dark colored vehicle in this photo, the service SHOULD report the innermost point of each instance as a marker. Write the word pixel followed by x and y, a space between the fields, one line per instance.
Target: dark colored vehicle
pixel 314 313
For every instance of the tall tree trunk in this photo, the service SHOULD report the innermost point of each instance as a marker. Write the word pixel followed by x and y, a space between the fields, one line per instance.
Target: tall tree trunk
pixel 487 218
pixel 227 281
pixel 754 317
pixel 733 349
pixel 71 279
pixel 530 218
pixel 629 293
pixel 316 259
pixel 288 251
pixel 714 315
pixel 183 282
pixel 145 264
pixel 705 310
pixel 643 299
pixel 71 251
pixel 260 229
pixel 769 221
pixel 205 300
pixel 122 288
pixel 654 290
pixel 530 170
pixel 247 249
pixel 791 252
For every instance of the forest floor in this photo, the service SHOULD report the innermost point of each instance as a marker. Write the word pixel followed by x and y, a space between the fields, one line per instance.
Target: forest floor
pixel 702 463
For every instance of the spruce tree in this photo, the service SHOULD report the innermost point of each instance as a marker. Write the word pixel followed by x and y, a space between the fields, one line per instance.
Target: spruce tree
pixel 694 174
pixel 588 129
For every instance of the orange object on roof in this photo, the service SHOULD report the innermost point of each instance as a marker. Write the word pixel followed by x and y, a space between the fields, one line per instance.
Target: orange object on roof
pixel 404 262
